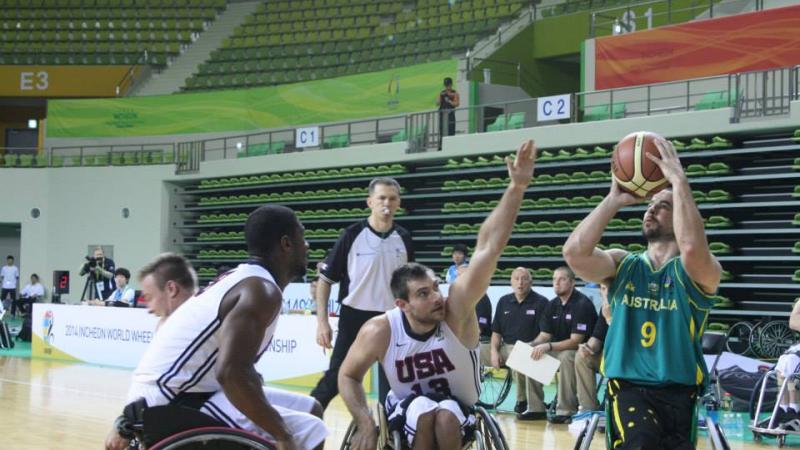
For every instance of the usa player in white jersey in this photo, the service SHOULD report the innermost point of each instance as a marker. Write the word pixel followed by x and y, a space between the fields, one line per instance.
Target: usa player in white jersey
pixel 204 356
pixel 428 345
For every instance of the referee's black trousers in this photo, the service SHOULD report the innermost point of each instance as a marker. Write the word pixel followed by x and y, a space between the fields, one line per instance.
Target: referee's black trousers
pixel 350 322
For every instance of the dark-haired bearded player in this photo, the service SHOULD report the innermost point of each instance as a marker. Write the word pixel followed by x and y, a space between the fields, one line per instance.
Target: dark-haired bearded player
pixel 428 345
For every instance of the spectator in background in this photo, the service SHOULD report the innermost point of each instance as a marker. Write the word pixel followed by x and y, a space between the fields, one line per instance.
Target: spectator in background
pixel 447 101
pixel 517 318
pixel 568 321
pixel 362 262
pixel 587 360
pixel 167 282
pixel 10 275
pixel 101 273
pixel 459 256
pixel 31 293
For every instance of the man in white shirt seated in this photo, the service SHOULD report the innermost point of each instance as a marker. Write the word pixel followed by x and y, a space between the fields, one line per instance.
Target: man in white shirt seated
pixel 31 293
pixel 121 296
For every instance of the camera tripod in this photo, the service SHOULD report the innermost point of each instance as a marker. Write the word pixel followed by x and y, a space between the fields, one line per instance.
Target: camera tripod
pixel 90 287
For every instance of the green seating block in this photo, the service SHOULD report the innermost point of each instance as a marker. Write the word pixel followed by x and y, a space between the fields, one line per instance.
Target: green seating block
pixel 10 159
pixel 720 142
pixel 719 248
pixel 605 112
pixel 25 160
pixel 718 168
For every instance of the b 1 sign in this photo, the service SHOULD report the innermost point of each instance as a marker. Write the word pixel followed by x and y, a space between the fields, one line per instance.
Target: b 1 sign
pixel 553 108
pixel 306 137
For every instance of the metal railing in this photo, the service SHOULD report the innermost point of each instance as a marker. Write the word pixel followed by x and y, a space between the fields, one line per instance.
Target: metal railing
pixel 750 94
pixel 129 79
pixel 624 19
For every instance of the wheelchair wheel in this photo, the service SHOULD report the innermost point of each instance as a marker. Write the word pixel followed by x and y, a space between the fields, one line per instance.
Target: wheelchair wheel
pixel 348 436
pixel 770 395
pixel 775 338
pixel 489 431
pixel 494 390
pixel 739 338
pixel 214 438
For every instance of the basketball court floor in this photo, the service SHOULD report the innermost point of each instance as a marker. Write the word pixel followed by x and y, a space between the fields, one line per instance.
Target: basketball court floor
pixel 66 406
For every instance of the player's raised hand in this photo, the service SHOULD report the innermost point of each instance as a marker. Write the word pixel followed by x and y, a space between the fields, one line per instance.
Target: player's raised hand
pixel 669 163
pixel 520 169
pixel 621 197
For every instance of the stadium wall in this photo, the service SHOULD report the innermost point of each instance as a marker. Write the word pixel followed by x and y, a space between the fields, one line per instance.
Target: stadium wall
pixel 82 206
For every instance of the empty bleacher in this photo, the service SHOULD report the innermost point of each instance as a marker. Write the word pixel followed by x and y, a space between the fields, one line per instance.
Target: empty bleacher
pixel 100 32
pixel 286 42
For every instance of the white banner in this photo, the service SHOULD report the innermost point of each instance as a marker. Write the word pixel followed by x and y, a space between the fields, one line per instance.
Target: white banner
pixel 293 351
pixel 93 334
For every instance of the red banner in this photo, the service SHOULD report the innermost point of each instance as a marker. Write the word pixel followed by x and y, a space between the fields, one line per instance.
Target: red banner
pixel 752 41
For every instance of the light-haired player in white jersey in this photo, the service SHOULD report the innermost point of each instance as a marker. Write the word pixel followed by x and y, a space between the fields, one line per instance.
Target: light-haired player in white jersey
pixel 204 356
pixel 428 345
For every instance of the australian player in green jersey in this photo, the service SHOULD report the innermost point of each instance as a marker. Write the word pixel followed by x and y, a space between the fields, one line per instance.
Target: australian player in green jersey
pixel 659 301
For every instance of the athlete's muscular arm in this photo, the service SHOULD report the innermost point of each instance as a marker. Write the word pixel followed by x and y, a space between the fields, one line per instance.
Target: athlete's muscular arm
pixel 492 239
pixel 370 346
pixel 690 234
pixel 581 252
pixel 246 312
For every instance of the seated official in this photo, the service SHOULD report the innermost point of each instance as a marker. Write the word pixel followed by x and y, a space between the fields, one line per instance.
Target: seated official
pixel 587 361
pixel 123 295
pixel 568 321
pixel 517 319
pixel 31 293
pixel 788 364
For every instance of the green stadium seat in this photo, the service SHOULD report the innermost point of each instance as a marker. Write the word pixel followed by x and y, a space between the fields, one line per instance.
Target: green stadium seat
pixel 25 160
pixel 605 112
pixel 10 159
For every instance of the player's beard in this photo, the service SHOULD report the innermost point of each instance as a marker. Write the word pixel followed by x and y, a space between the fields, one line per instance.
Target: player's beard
pixel 656 233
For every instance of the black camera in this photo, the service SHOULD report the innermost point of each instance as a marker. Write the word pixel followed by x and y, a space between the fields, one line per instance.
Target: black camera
pixel 92 262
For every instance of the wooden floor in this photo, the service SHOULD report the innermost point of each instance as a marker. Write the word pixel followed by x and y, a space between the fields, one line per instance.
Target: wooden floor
pixel 51 405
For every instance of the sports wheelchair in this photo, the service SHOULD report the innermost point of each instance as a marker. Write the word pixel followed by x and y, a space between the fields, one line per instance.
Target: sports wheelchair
pixel 487 434
pixel 172 427
pixel 713 344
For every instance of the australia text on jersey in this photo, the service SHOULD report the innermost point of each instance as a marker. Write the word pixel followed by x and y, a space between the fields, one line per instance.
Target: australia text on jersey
pixel 649 303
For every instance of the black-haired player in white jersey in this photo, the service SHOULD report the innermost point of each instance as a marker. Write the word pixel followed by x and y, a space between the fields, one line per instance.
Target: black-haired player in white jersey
pixel 204 356
pixel 428 345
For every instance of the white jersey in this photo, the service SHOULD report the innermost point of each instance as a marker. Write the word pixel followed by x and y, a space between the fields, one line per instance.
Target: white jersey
pixel 440 364
pixel 183 354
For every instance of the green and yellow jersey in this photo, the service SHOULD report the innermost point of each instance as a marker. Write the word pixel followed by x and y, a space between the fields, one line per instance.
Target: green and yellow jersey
pixel 657 323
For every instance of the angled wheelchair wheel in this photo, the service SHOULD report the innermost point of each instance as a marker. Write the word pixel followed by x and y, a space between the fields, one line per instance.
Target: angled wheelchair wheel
pixel 739 338
pixel 348 436
pixel 488 430
pixel 494 389
pixel 214 438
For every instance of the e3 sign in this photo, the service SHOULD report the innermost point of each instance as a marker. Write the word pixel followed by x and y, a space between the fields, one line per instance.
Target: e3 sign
pixel 553 108
pixel 29 81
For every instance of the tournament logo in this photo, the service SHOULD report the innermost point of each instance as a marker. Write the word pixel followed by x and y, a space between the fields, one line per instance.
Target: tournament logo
pixel 47 328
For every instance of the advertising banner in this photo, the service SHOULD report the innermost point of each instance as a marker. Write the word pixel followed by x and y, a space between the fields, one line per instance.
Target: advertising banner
pixel 739 43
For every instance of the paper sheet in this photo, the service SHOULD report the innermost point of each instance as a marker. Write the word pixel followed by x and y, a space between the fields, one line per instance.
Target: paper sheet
pixel 542 370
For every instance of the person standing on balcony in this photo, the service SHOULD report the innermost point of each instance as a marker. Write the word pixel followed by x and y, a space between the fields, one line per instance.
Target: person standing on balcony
pixel 447 101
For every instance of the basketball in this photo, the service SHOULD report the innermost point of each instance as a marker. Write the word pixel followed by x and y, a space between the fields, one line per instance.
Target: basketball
pixel 634 172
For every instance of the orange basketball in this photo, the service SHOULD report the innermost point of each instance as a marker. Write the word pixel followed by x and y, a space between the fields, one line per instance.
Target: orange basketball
pixel 634 172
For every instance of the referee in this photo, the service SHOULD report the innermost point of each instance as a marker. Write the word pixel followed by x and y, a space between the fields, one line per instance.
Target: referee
pixel 362 262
